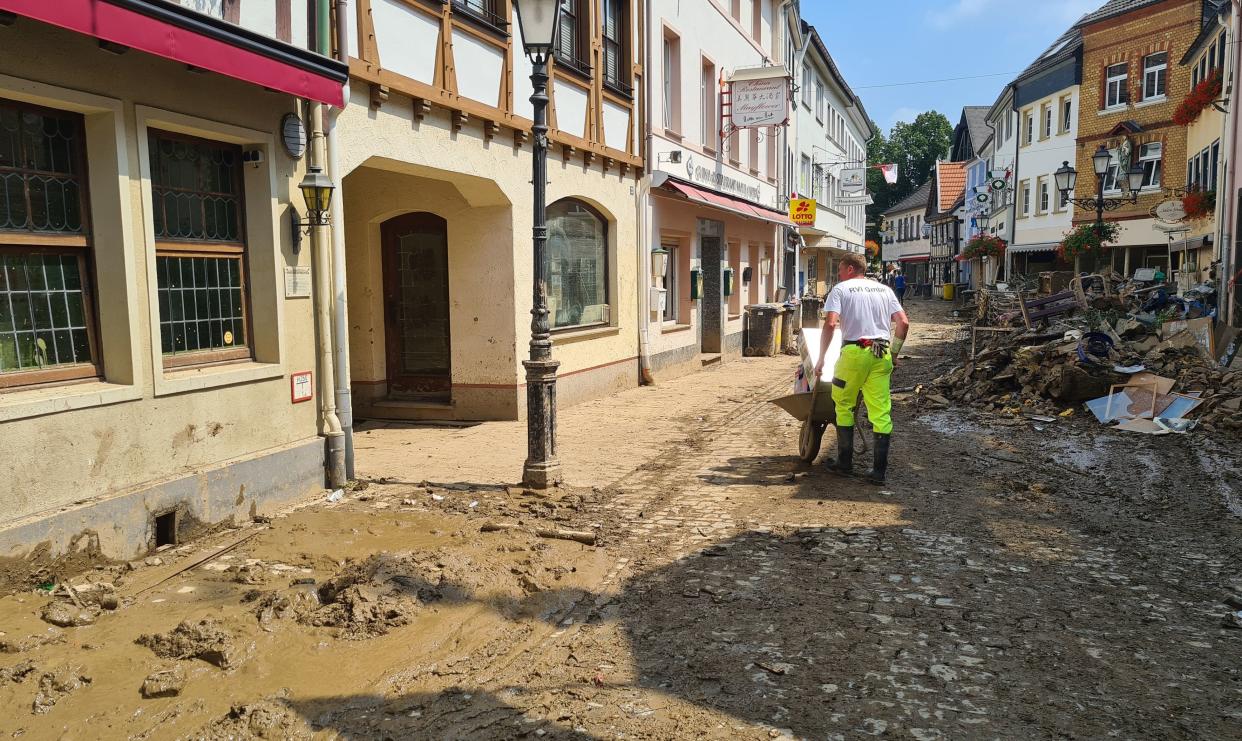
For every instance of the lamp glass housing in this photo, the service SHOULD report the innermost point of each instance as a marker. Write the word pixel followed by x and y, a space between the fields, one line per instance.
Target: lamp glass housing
pixel 1066 177
pixel 659 262
pixel 537 22
pixel 317 190
pixel 1135 178
pixel 1101 160
pixel 765 265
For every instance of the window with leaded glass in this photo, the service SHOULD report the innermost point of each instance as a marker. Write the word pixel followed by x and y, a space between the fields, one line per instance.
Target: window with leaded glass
pixel 200 249
pixel 577 265
pixel 616 19
pixel 46 313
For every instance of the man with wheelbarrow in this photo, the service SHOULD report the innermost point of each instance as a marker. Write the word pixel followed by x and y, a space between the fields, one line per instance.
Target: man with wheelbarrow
pixel 873 327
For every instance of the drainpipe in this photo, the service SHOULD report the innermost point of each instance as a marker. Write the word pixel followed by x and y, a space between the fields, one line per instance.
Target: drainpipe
pixel 340 328
pixel 323 288
pixel 643 220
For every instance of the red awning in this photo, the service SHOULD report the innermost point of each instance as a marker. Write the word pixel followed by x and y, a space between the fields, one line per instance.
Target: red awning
pixel 917 258
pixel 172 32
pixel 728 203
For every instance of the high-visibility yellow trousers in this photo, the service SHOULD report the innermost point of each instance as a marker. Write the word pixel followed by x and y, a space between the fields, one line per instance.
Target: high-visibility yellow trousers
pixel 859 370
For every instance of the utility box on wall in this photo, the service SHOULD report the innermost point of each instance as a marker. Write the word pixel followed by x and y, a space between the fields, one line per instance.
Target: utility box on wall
pixel 696 285
pixel 659 300
pixel 726 281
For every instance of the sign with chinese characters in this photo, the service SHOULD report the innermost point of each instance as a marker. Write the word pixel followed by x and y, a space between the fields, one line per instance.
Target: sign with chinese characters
pixel 761 102
pixel 301 387
pixel 853 179
pixel 802 211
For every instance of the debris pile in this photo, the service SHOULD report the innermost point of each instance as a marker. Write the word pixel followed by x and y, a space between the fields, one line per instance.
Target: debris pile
pixel 203 639
pixel 266 719
pixel 1147 378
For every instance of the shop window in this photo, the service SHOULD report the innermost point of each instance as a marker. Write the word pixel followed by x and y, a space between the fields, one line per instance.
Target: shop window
pixel 616 58
pixel 1155 71
pixel 577 269
pixel 571 41
pixel 46 313
pixel 200 251
pixel 1116 90
pixel 671 299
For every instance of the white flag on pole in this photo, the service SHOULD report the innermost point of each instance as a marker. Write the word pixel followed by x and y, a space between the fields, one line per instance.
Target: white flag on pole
pixel 890 173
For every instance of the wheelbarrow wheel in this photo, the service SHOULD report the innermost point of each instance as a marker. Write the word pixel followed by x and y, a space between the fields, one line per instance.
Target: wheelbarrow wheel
pixel 809 440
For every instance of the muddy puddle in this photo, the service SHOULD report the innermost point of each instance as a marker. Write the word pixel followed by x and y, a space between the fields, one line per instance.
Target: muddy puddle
pixel 389 593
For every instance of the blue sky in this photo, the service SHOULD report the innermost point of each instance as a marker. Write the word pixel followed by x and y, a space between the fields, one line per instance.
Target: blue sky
pixel 875 42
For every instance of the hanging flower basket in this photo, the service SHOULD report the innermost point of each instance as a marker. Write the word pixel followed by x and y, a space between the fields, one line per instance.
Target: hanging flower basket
pixel 984 245
pixel 1199 204
pixel 873 247
pixel 1200 98
pixel 1088 240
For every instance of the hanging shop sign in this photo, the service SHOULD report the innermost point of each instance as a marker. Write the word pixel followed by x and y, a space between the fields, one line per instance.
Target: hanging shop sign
pixel 1170 211
pixel 802 211
pixel 862 199
pixel 758 96
pixel 853 179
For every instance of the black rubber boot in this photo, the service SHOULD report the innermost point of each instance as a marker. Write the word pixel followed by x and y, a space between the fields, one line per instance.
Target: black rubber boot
pixel 879 468
pixel 843 464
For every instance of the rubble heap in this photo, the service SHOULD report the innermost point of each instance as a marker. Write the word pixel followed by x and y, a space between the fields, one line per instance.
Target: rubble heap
pixel 1083 359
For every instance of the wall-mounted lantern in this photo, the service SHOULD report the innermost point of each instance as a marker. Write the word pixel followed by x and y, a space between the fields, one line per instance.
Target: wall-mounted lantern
pixel 316 190
pixel 659 263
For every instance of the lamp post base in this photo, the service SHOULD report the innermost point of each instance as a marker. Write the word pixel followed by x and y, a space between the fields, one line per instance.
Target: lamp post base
pixel 542 469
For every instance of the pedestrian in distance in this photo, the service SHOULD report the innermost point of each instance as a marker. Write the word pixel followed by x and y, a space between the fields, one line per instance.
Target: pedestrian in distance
pixel 874 327
pixel 899 287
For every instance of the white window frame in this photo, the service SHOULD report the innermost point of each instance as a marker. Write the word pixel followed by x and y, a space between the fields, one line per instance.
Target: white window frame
pixel 1045 197
pixel 671 99
pixel 1047 122
pixel 1152 174
pixel 1155 77
pixel 1116 90
pixel 1067 112
pixel 1026 197
pixel 1112 178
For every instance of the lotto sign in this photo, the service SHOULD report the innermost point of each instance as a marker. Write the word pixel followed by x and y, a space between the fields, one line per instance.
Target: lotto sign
pixel 802 211
pixel 300 387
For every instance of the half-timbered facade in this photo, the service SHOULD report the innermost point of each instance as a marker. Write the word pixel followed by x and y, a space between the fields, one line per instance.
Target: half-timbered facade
pixel 435 159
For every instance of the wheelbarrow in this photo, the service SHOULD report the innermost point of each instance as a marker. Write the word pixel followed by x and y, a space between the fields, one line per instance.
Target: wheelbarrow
pixel 814 408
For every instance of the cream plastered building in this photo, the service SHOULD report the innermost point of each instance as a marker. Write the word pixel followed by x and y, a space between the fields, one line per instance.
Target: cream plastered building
pixel 711 199
pixel 832 134
pixel 1046 98
pixel 435 166
pixel 149 339
pixel 1195 250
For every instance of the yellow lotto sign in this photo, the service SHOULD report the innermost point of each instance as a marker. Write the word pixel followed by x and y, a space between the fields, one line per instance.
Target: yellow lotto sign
pixel 802 211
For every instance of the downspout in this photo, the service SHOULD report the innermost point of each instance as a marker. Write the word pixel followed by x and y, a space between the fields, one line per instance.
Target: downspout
pixel 340 328
pixel 335 439
pixel 797 143
pixel 643 219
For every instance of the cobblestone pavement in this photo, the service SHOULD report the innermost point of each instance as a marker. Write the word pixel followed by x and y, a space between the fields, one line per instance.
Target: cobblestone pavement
pixel 1011 581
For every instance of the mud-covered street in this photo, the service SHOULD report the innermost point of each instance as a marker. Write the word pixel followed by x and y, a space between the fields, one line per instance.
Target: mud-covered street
pixel 1013 579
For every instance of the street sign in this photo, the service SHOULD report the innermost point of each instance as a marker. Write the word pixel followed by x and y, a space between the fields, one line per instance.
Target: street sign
pixel 802 211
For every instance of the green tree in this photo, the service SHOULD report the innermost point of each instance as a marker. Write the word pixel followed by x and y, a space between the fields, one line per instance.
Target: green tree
pixel 914 148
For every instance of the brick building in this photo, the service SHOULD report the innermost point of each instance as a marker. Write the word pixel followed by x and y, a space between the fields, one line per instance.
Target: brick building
pixel 1131 85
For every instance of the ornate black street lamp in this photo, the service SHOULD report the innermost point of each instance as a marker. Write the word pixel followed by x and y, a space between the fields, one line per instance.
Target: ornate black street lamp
pixel 1101 161
pixel 537 22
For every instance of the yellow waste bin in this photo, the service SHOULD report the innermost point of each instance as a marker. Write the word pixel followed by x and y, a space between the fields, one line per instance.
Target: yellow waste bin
pixel 948 291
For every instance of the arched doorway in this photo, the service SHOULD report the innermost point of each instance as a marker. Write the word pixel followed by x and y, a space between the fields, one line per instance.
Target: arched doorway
pixel 416 307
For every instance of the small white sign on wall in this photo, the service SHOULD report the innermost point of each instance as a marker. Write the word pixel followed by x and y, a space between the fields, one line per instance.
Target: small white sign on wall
pixel 301 387
pixel 297 282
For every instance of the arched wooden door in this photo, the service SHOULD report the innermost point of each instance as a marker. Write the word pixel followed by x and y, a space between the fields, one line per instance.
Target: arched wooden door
pixel 416 306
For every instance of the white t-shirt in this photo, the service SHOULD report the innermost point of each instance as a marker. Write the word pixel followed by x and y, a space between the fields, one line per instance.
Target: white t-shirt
pixel 866 309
